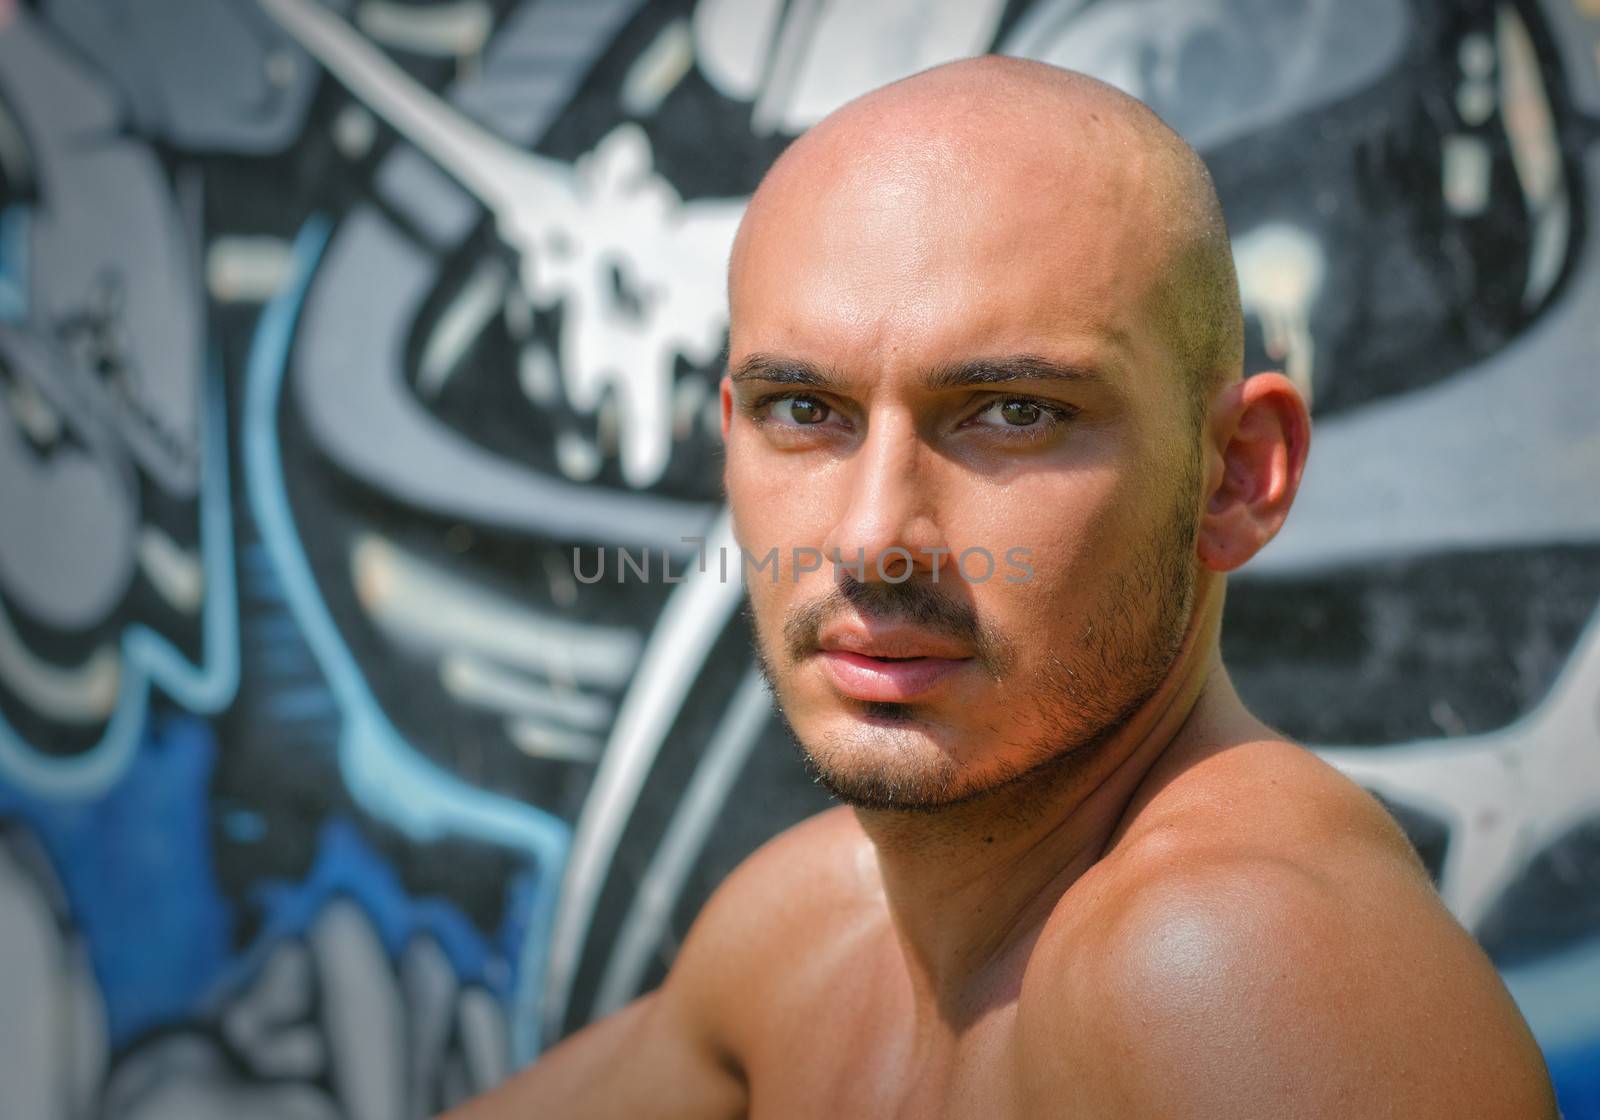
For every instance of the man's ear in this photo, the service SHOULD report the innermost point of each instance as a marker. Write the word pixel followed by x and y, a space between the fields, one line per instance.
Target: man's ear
pixel 726 389
pixel 1259 433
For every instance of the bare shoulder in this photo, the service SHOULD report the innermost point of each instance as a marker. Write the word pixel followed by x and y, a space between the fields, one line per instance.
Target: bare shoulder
pixel 803 879
pixel 813 886
pixel 1262 942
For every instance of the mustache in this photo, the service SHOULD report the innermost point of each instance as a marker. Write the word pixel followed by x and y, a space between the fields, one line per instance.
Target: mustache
pixel 916 603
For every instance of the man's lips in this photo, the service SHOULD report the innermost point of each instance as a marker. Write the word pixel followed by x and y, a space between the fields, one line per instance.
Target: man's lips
pixel 891 663
pixel 887 680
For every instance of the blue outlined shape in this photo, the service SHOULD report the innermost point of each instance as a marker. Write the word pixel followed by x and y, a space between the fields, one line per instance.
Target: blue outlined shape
pixel 347 866
pixel 386 775
pixel 150 660
pixel 137 869
pixel 15 222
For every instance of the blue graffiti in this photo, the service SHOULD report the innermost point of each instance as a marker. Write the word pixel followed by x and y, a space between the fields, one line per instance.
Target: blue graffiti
pixel 1558 994
pixel 136 867
pixel 347 867
pixel 150 660
pixel 14 222
pixel 384 773
pixel 1576 1073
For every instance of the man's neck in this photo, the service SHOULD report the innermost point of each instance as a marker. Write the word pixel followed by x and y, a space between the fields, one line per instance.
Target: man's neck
pixel 970 888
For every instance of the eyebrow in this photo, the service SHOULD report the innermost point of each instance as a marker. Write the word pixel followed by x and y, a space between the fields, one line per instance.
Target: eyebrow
pixel 778 370
pixel 786 371
pixel 1003 371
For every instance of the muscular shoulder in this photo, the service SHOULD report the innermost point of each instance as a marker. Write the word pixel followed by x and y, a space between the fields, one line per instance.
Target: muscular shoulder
pixel 1264 944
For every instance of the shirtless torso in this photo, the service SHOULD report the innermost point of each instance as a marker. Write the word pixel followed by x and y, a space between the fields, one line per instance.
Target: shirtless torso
pixel 1258 940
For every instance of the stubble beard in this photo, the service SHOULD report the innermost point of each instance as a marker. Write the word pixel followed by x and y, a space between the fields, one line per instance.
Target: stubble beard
pixel 1125 653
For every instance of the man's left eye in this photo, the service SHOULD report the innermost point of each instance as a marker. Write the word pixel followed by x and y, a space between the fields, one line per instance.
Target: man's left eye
pixel 1012 414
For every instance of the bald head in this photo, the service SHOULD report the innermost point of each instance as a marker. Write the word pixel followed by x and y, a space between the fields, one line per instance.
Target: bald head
pixel 1012 154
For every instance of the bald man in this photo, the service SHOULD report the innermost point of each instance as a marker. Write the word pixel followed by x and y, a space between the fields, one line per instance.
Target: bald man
pixel 985 356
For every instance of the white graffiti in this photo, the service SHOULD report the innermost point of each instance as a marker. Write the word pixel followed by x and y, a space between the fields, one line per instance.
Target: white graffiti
pixel 637 271
pixel 1507 795
pixel 1280 276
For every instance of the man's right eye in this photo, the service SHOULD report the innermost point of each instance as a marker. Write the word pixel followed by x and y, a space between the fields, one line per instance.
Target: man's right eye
pixel 798 412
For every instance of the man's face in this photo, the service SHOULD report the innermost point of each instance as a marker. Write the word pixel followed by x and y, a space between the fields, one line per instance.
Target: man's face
pixel 922 359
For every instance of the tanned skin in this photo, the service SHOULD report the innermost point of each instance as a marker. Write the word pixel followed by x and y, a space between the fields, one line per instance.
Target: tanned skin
pixel 1079 878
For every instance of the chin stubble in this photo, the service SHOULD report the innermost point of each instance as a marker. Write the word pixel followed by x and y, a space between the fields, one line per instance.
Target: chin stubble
pixel 1085 702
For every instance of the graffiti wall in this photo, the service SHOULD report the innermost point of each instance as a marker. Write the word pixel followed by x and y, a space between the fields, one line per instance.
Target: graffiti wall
pixel 329 328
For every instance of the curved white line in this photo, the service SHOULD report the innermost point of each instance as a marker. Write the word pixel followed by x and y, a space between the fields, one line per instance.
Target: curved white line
pixel 690 624
pixel 651 912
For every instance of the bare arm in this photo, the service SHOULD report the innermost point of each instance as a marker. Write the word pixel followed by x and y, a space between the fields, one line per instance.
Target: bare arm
pixel 668 1053
pixel 678 1052
pixel 651 1059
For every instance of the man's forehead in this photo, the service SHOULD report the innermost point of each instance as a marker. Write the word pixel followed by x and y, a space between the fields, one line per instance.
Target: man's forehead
pixel 909 235
pixel 940 276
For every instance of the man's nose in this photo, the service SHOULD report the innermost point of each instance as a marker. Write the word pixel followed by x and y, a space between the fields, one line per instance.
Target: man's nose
pixel 889 529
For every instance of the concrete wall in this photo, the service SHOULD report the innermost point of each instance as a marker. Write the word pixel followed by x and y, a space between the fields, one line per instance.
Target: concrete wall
pixel 328 332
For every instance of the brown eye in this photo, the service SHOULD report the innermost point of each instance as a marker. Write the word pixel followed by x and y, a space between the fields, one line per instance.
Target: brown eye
pixel 1023 418
pixel 1016 413
pixel 800 411
pixel 1019 413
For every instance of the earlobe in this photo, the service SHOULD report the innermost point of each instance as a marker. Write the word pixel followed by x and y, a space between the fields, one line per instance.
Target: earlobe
pixel 1261 434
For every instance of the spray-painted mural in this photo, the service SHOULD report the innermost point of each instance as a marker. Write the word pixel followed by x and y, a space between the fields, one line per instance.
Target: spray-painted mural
pixel 328 329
